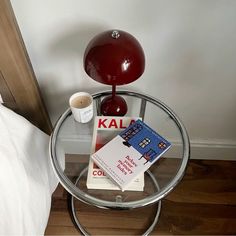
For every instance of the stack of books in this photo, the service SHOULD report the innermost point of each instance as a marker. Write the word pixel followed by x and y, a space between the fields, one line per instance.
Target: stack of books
pixel 123 148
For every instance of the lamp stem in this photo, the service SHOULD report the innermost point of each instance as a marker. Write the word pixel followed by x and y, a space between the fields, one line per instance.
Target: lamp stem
pixel 113 91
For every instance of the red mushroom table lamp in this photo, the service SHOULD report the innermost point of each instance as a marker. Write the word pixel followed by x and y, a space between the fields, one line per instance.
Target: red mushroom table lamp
pixel 114 58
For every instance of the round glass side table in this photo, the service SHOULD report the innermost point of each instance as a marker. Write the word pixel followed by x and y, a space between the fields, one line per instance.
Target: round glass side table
pixel 70 148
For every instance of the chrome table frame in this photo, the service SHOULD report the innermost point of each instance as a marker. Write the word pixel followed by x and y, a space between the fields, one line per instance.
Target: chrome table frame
pixel 154 198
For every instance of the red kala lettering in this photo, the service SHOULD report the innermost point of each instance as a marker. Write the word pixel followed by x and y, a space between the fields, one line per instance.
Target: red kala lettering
pixel 121 125
pixel 113 123
pixel 101 122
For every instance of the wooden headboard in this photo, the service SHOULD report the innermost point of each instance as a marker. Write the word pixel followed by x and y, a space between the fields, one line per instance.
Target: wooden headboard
pixel 18 86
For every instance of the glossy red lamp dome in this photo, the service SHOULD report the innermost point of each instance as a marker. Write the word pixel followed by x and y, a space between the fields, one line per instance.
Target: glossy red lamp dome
pixel 114 57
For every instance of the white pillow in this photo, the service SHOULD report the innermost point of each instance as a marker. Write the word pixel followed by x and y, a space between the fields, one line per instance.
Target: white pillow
pixel 26 177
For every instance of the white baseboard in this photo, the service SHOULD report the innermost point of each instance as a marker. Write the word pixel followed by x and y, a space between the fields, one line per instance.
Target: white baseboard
pixel 224 150
pixel 210 150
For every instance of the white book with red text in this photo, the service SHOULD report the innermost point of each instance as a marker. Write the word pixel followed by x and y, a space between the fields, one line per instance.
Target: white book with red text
pixel 130 153
pixel 105 129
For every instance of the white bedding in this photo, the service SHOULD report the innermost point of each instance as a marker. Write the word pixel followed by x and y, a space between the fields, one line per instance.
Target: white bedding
pixel 26 178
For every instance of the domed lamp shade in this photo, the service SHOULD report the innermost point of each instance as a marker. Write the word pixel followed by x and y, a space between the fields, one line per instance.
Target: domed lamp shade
pixel 114 58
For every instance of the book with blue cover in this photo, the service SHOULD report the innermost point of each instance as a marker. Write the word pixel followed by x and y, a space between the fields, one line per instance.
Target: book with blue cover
pixel 130 153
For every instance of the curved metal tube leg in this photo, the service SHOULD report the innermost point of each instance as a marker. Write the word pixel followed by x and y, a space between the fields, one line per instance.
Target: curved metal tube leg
pixel 84 232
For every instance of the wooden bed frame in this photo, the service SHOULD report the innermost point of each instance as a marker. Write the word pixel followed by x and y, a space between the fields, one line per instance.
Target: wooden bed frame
pixel 18 85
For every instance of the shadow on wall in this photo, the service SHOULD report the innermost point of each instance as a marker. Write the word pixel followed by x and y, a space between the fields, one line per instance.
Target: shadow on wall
pixel 74 40
pixel 68 47
pixel 57 99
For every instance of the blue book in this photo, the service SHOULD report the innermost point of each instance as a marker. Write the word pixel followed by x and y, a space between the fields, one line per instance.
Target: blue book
pixel 131 153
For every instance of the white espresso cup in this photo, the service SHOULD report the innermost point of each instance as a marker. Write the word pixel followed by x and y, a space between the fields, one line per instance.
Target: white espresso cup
pixel 81 105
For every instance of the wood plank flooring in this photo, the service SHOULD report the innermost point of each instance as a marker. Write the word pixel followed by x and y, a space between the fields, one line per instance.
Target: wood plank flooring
pixel 204 203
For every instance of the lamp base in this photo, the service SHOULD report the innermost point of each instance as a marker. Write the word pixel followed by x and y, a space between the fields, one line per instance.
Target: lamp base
pixel 113 106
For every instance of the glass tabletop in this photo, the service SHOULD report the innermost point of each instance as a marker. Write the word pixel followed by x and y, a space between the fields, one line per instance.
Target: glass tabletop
pixel 70 149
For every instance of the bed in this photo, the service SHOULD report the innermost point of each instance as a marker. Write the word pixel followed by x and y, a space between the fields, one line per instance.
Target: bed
pixel 26 178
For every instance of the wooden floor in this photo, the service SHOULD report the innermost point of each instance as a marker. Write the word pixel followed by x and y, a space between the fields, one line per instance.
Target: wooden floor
pixel 204 203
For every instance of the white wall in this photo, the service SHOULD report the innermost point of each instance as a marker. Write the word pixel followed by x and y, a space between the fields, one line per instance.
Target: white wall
pixel 190 56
